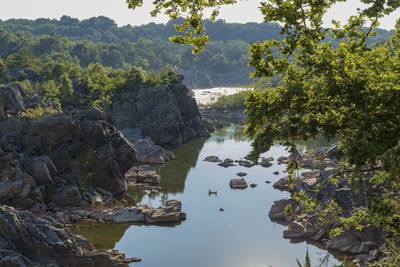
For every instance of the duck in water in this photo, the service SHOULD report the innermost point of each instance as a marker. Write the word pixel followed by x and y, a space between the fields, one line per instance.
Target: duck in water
pixel 211 192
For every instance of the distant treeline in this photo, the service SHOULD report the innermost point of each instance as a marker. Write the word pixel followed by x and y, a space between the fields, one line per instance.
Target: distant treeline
pixel 100 40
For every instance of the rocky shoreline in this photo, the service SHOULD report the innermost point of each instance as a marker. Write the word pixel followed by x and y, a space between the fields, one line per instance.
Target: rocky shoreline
pixel 77 165
pixel 306 225
pixel 217 118
pixel 28 239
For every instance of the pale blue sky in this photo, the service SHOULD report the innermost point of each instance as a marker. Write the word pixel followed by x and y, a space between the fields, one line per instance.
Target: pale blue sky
pixel 246 11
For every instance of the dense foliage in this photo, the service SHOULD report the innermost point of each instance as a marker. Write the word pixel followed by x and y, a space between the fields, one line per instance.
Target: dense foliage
pixel 99 40
pixel 338 85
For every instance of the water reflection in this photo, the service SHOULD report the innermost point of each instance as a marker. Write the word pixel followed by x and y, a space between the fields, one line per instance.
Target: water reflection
pixel 233 132
pixel 173 174
pixel 319 141
pixel 242 235
pixel 101 235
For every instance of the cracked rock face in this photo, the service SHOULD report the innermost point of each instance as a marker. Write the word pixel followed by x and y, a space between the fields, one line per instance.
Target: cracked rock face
pixel 169 115
pixel 27 240
pixel 53 159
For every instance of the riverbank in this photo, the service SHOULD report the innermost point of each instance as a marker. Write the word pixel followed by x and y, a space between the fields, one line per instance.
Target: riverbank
pixel 314 219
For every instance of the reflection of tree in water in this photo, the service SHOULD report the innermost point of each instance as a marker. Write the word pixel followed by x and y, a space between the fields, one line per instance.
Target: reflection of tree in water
pixel 174 173
pixel 134 196
pixel 101 235
pixel 232 132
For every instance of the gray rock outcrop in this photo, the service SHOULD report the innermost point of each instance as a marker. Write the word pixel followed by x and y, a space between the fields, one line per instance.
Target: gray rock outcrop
pixel 169 114
pixel 11 100
pixel 171 212
pixel 28 240
pixel 57 158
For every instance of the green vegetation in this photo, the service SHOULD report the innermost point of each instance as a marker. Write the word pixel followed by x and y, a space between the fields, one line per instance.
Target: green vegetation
pixel 38 112
pixel 335 84
pixel 95 85
pixel 55 46
pixel 29 43
pixel 234 101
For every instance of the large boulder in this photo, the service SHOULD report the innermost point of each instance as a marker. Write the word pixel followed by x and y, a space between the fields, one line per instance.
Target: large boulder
pixel 143 174
pixel 147 152
pixel 277 211
pixel 169 114
pixel 355 242
pixel 299 230
pixel 238 183
pixel 11 99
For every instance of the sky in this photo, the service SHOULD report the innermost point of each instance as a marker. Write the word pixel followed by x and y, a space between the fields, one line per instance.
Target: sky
pixel 246 11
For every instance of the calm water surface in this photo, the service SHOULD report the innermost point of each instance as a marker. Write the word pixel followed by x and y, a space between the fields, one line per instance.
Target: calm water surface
pixel 241 236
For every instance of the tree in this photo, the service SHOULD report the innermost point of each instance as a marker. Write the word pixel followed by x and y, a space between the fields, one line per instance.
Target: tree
pixel 350 90
pixel 4 74
pixel 100 85
pixel 23 59
pixel 66 88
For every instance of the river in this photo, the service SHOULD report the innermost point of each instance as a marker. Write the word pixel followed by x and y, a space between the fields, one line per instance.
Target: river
pixel 241 235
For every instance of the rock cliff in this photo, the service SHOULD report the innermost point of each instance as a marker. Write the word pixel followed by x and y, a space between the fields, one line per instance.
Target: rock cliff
pixel 169 115
pixel 62 160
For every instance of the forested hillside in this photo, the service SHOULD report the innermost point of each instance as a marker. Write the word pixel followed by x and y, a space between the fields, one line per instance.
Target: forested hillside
pixel 41 43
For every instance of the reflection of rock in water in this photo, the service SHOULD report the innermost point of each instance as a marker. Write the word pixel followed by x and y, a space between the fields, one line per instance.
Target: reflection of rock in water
pixel 174 173
pixel 101 235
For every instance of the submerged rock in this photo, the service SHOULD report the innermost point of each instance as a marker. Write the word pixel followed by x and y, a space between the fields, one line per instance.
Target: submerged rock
pixel 241 174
